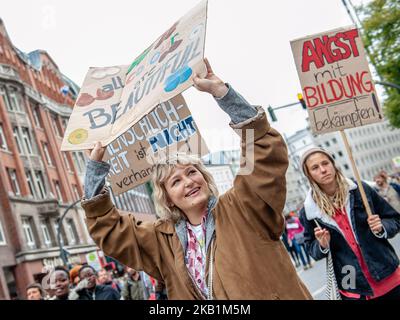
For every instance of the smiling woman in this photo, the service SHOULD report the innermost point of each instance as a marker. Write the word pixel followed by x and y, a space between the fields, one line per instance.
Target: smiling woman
pixel 205 246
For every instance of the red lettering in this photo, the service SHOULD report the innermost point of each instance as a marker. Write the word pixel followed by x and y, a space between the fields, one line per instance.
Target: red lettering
pixel 340 44
pixel 351 35
pixel 309 93
pixel 370 86
pixel 321 49
pixel 334 90
pixel 310 55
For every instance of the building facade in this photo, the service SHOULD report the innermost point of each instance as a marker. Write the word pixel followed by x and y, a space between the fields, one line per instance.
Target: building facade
pixel 37 181
pixel 222 175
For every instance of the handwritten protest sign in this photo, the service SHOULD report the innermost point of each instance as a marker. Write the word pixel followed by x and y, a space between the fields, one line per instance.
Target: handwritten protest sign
pixel 167 129
pixel 113 99
pixel 336 80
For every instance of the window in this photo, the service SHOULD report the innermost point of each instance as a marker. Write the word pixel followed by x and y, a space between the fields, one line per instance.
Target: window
pixel 36 117
pixel 58 190
pixel 2 235
pixel 15 100
pixel 26 136
pixel 66 161
pixel 76 192
pixel 12 175
pixel 40 183
pixel 340 153
pixel 346 166
pixel 62 237
pixel 27 227
pixel 76 160
pixel 82 159
pixel 31 184
pixel 327 143
pixel 17 139
pixel 72 232
pixel 46 233
pixel 56 125
pixel 47 153
pixel 334 140
pixel 3 141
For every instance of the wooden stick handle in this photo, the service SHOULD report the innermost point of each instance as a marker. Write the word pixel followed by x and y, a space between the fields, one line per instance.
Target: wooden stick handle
pixel 356 174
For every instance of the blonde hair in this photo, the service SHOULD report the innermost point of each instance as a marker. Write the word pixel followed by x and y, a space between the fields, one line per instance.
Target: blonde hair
pixel 163 170
pixel 327 205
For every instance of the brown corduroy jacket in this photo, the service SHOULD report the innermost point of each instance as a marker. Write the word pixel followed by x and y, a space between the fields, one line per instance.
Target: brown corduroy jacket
pixel 250 261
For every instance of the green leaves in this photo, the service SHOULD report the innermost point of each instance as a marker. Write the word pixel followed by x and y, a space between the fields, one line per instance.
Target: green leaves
pixel 381 31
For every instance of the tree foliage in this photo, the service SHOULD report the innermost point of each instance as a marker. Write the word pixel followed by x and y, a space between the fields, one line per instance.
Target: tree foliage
pixel 381 32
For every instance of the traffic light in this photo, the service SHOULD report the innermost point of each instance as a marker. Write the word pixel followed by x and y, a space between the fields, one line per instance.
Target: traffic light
pixel 272 114
pixel 301 100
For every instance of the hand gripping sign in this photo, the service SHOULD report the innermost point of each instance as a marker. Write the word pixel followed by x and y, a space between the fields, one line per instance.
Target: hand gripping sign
pixel 113 99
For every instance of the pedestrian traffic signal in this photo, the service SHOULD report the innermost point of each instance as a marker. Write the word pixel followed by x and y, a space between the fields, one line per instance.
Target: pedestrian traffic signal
pixel 272 114
pixel 301 100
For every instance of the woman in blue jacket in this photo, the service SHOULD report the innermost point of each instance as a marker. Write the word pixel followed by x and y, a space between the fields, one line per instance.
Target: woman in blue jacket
pixel 335 221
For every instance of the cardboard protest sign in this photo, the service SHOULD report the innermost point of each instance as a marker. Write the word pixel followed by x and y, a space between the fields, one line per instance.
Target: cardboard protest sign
pixel 336 80
pixel 113 99
pixel 167 129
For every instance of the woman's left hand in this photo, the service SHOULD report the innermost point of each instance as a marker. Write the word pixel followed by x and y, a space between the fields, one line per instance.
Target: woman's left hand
pixel 210 83
pixel 375 223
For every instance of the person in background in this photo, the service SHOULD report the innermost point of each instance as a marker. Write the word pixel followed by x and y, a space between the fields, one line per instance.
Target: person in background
pixel 105 277
pixel 132 288
pixel 203 241
pixel 290 248
pixel 35 291
pixel 336 223
pixel 390 191
pixel 295 232
pixel 92 289
pixel 74 275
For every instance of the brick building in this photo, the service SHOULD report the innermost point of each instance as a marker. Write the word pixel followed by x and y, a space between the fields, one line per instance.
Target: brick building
pixel 37 181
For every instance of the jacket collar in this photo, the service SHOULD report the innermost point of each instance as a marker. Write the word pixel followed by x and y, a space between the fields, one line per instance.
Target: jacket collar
pixel 312 211
pixel 181 229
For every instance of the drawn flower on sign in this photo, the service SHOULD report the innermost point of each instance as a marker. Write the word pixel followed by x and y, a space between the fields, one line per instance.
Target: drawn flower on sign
pixel 177 78
pixel 78 136
pixel 100 73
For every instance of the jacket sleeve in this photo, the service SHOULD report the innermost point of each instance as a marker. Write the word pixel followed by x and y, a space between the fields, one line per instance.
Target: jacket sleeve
pixel 260 185
pixel 389 216
pixel 312 245
pixel 396 187
pixel 133 243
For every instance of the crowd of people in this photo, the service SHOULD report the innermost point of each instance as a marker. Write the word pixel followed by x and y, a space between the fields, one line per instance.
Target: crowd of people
pixel 202 242
pixel 83 282
pixel 203 239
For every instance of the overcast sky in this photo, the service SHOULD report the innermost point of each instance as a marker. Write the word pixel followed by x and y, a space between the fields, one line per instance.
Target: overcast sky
pixel 247 44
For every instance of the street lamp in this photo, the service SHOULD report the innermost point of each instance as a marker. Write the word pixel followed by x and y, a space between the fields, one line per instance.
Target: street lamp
pixel 63 254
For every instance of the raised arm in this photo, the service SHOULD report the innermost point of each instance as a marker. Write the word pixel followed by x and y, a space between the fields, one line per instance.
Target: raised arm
pixel 260 187
pixel 133 243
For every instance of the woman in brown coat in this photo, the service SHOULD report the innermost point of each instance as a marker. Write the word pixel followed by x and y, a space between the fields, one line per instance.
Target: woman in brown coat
pixel 206 246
